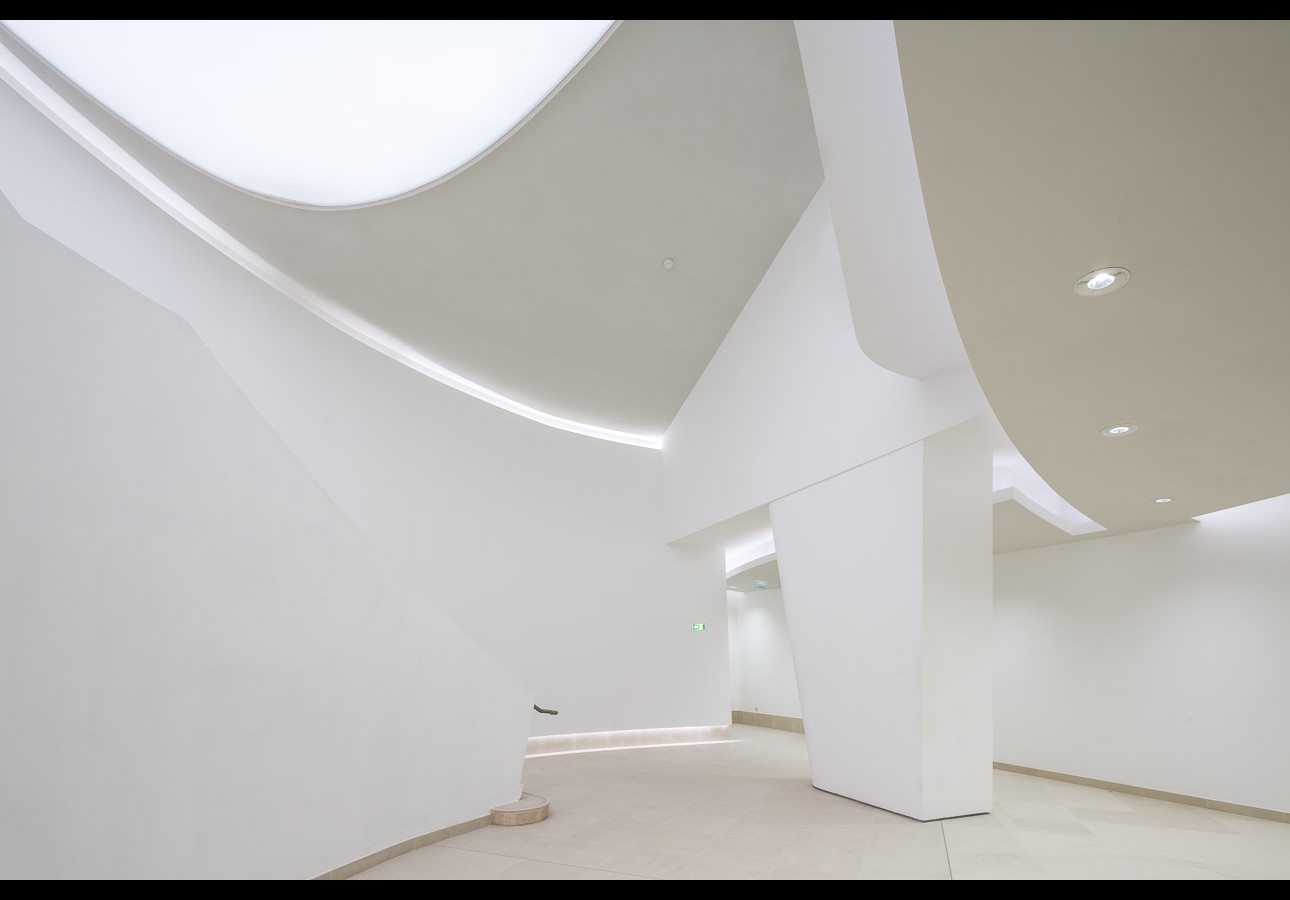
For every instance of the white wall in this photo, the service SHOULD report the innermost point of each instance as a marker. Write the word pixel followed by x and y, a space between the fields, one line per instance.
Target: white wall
pixel 1158 659
pixel 205 672
pixel 762 655
pixel 547 548
pixel 958 593
pixel 886 581
pixel 789 398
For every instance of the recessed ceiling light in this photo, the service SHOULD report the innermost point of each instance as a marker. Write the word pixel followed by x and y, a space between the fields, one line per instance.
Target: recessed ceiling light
pixel 1102 281
pixel 1117 430
pixel 1163 500
pixel 668 263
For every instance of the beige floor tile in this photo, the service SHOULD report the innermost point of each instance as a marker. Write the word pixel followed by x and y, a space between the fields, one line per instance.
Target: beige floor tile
pixel 761 831
pixel 438 863
pixel 750 849
pixel 573 852
pixel 1054 820
pixel 510 840
pixel 705 868
pixel 836 859
pixel 1184 818
pixel 885 869
pixel 994 867
pixel 534 870
pixel 616 834
pixel 1084 797
pixel 1122 868
pixel 916 840
pixel 676 841
pixel 648 863
pixel 695 822
pixel 981 834
pixel 783 873
pixel 746 810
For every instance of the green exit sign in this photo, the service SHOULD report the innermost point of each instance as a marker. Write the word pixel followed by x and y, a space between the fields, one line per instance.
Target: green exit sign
pixel 699 626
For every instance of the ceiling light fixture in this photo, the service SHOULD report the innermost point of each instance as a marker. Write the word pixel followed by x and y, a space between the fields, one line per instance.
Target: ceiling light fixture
pixel 332 113
pixel 57 109
pixel 1117 430
pixel 1163 500
pixel 1102 281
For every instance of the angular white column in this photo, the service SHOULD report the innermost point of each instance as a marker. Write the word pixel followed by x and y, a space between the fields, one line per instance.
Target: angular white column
pixel 887 575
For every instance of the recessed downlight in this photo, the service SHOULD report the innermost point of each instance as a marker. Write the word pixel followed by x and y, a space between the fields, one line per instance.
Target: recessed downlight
pixel 1100 282
pixel 1118 430
pixel 1163 500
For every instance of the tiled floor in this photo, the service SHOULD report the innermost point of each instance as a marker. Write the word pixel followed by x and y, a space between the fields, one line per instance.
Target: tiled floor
pixel 746 810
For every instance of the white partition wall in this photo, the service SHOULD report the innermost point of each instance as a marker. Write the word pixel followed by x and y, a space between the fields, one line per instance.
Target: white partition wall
pixel 761 655
pixel 545 547
pixel 205 670
pixel 333 645
pixel 885 571
pixel 790 398
pixel 789 409
pixel 958 619
pixel 1158 659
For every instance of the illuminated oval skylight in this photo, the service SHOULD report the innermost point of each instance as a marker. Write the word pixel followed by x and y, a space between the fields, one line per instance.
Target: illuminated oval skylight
pixel 329 113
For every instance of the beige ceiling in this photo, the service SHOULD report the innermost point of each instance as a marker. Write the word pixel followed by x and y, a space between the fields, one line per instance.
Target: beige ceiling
pixel 1048 149
pixel 1045 149
pixel 538 271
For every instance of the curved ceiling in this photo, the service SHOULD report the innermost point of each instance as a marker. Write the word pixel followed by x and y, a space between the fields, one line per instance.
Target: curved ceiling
pixel 538 272
pixel 1048 149
pixel 1045 150
pixel 899 309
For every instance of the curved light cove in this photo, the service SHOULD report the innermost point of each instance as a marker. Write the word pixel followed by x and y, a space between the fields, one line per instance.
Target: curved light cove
pixel 327 113
pixel 45 99
pixel 742 558
pixel 1015 479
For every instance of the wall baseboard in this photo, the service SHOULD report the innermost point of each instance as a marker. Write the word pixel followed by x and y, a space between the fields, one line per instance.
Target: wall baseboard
pixel 1216 805
pixel 537 746
pixel 610 740
pixel 765 720
pixel 373 859
pixel 788 723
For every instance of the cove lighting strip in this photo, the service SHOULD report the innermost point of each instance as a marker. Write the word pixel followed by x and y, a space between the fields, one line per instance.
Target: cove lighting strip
pixel 48 102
